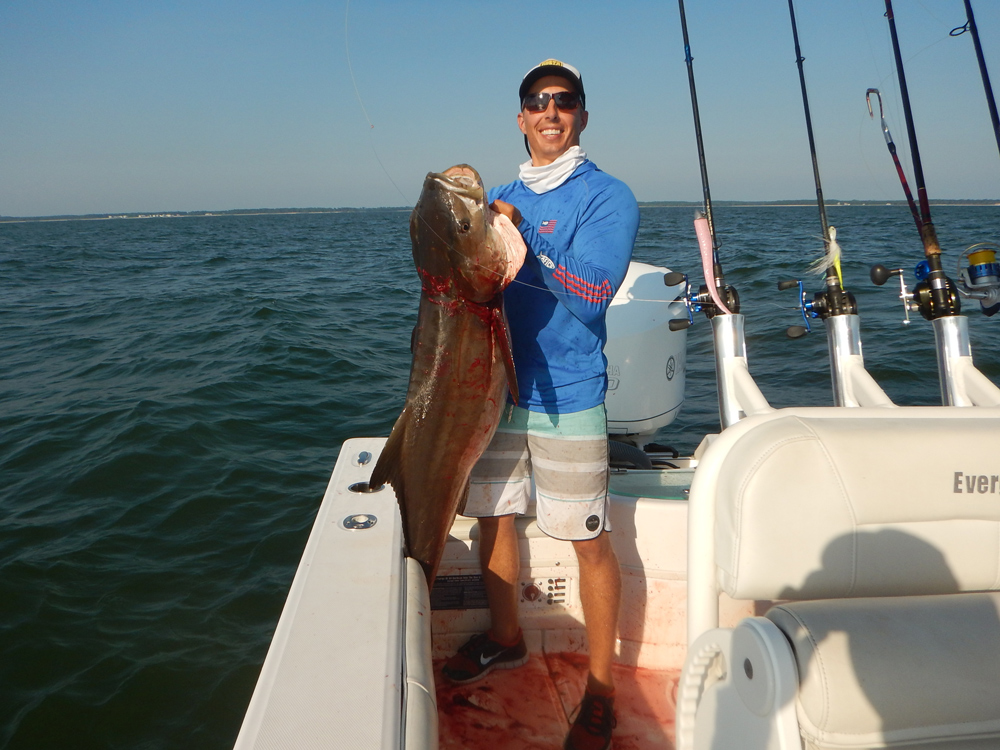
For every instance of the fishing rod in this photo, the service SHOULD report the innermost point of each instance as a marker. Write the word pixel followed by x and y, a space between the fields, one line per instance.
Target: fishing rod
pixel 835 300
pixel 710 296
pixel 970 26
pixel 935 295
pixel 852 384
pixel 892 152
pixel 739 395
pixel 980 279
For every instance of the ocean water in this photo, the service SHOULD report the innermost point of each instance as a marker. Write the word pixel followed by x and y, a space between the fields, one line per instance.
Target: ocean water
pixel 174 393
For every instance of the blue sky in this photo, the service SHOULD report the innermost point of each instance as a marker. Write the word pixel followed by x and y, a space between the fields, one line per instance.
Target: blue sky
pixel 140 106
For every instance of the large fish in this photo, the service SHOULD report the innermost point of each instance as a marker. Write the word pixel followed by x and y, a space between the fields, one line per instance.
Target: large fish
pixel 466 255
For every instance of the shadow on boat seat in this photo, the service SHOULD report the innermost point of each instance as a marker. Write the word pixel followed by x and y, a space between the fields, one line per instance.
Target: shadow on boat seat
pixel 880 531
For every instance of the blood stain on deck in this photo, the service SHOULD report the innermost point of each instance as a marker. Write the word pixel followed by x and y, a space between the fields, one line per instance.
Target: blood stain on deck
pixel 527 708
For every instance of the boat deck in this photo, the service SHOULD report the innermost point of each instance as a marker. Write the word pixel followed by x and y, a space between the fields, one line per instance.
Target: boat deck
pixel 529 708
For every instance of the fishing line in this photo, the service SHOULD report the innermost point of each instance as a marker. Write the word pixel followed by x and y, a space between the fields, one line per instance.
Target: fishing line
pixel 829 264
pixel 930 242
pixel 862 16
pixel 884 81
pixel 899 107
pixel 371 127
pixel 970 26
pixel 357 93
pixel 929 12
pixel 861 122
pixel 890 144
pixel 444 242
pixel 705 224
pixel 940 302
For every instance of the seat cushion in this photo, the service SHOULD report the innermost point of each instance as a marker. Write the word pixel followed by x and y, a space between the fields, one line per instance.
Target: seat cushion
pixel 830 503
pixel 892 672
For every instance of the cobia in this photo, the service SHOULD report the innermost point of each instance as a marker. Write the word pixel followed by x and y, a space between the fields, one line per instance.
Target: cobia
pixel 465 255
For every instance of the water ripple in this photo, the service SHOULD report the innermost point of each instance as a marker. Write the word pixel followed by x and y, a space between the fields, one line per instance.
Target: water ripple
pixel 175 392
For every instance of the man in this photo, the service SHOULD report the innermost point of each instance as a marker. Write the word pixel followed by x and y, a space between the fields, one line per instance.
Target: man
pixel 579 225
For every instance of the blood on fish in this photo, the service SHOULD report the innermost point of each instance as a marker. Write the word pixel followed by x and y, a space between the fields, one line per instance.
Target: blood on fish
pixel 459 372
pixel 434 285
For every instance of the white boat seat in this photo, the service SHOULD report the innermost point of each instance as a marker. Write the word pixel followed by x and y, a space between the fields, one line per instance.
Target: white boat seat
pixel 886 519
pixel 896 671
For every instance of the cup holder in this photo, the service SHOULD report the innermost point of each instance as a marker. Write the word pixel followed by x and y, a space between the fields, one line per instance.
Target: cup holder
pixel 364 487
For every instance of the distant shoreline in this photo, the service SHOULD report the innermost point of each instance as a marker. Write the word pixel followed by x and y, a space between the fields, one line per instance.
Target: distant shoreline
pixel 642 204
pixel 194 214
pixel 812 203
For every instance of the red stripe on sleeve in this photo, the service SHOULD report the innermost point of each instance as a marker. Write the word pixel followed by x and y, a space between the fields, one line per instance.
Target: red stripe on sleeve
pixel 602 293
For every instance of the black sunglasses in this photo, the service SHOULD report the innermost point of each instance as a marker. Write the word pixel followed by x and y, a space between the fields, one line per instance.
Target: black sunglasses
pixel 567 101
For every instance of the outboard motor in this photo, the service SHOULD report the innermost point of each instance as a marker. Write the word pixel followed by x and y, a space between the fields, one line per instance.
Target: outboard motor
pixel 646 360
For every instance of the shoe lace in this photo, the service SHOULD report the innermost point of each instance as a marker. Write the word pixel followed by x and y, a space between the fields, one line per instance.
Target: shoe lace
pixel 596 715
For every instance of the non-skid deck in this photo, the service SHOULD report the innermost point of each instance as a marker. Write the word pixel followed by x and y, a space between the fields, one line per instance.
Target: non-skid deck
pixel 529 708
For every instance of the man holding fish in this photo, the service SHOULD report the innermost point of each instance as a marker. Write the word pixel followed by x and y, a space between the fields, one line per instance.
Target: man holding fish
pixel 579 225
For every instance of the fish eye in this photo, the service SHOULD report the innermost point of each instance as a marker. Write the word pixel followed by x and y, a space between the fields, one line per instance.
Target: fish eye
pixel 465 226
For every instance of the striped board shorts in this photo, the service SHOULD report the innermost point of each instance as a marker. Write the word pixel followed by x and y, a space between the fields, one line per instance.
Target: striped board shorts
pixel 568 455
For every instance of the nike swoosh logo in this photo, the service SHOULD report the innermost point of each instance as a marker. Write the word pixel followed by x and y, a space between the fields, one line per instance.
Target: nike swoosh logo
pixel 484 660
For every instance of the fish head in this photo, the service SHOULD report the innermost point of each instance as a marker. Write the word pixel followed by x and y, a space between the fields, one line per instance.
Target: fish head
pixel 456 250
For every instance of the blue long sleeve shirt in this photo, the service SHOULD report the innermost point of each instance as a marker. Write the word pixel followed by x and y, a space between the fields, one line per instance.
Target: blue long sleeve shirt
pixel 579 239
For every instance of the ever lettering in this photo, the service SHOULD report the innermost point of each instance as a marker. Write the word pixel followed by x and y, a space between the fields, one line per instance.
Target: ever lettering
pixel 978 483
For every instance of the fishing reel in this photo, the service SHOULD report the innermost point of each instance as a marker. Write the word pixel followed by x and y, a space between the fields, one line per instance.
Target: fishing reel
pixel 921 299
pixel 979 276
pixel 822 306
pixel 700 301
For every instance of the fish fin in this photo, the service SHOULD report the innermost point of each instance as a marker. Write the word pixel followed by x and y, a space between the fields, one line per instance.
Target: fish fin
pixel 415 333
pixel 386 468
pixel 501 333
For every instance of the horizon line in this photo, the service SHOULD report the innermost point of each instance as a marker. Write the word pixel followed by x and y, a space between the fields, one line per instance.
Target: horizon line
pixel 787 203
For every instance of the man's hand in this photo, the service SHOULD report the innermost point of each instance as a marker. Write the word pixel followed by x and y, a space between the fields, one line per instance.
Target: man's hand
pixel 508 210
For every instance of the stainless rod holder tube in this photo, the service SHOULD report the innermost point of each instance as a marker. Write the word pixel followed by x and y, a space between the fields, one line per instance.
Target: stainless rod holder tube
pixel 852 384
pixel 951 341
pixel 739 395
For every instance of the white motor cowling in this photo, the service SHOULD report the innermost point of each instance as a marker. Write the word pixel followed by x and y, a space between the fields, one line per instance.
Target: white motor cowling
pixel 646 360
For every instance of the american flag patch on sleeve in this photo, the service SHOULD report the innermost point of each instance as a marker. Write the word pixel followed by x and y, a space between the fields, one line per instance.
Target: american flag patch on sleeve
pixel 547 226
